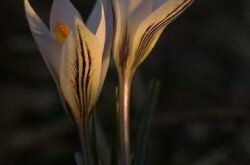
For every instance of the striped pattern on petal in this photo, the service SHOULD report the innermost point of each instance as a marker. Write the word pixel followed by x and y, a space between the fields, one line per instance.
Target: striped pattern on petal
pixel 80 71
pixel 150 29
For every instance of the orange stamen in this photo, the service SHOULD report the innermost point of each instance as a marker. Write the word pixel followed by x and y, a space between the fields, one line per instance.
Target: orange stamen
pixel 61 32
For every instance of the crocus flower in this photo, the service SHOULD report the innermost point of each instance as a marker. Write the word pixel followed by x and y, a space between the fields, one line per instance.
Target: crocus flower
pixel 138 26
pixel 76 54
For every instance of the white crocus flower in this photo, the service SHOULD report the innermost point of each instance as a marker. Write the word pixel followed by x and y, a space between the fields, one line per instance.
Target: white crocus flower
pixel 76 54
pixel 138 25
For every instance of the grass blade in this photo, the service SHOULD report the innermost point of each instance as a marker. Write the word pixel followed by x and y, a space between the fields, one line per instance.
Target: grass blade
pixel 146 121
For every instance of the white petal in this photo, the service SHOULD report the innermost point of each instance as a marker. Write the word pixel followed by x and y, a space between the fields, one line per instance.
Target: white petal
pixel 101 23
pixel 120 29
pixel 35 23
pixel 133 4
pixel 68 73
pixel 164 9
pixel 108 14
pixel 49 48
pixel 80 70
pixel 96 23
pixel 141 5
pixel 63 12
pixel 94 19
pixel 149 31
pixel 123 3
pixel 158 3
pixel 139 9
pixel 51 53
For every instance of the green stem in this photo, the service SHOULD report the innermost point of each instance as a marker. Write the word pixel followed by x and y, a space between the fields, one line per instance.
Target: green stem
pixel 95 146
pixel 124 95
pixel 85 144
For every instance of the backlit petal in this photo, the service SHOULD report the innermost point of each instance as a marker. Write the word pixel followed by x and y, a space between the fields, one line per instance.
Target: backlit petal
pixel 49 48
pixel 133 4
pixel 158 3
pixel 139 9
pixel 100 23
pixel 120 30
pixel 36 24
pixel 63 12
pixel 94 18
pixel 96 23
pixel 68 78
pixel 149 31
pixel 51 53
pixel 80 70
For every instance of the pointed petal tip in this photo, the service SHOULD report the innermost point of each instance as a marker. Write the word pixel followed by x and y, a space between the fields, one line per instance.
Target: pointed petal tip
pixel 78 21
pixel 148 32
pixel 35 23
pixel 28 9
pixel 97 17
pixel 26 4
pixel 79 24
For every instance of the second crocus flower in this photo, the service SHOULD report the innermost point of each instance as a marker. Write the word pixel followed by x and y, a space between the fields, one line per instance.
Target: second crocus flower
pixel 138 25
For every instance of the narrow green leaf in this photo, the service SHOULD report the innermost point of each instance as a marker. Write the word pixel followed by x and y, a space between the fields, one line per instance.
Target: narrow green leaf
pixel 115 131
pixel 145 124
pixel 78 158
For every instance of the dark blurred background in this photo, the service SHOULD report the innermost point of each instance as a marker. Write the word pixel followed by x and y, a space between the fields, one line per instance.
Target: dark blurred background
pixel 203 115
